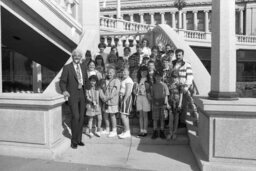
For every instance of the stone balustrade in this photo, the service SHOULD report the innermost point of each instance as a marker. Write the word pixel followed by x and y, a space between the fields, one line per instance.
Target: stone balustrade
pixel 194 34
pixel 122 25
pixel 121 40
pixel 246 39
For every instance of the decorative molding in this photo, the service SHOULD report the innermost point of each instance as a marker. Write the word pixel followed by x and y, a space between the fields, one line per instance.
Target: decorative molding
pixel 62 14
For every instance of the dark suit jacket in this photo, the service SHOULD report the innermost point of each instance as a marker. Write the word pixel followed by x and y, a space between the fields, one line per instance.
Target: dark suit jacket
pixel 69 81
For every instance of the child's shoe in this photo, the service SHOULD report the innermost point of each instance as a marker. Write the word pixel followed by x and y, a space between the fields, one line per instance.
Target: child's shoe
pixel 112 134
pixel 98 133
pixel 126 134
pixel 105 132
pixel 141 134
pixel 174 136
pixel 155 134
pixel 91 134
pixel 162 135
pixel 145 134
pixel 169 136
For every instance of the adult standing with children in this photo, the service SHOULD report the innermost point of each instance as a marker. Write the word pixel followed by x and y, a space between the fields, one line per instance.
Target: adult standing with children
pixel 185 75
pixel 72 84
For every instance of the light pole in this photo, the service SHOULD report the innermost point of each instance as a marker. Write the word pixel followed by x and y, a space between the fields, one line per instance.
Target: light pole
pixel 179 4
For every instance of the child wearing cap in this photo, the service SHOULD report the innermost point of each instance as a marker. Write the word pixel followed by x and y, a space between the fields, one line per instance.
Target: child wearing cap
pixel 159 93
pixel 175 101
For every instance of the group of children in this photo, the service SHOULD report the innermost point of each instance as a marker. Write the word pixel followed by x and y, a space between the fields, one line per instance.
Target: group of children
pixel 145 79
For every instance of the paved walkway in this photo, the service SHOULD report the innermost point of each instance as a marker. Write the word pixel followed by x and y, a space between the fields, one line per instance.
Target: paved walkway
pixel 134 153
pixel 112 154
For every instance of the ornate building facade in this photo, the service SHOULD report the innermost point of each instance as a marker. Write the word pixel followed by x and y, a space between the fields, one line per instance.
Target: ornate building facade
pixel 195 17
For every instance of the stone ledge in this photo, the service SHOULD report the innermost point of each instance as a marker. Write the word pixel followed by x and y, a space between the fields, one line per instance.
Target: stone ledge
pixel 245 105
pixel 33 151
pixel 30 100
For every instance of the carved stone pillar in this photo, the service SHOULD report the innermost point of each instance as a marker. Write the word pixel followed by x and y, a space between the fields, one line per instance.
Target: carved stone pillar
pixel 173 20
pixel 195 20
pixel 206 21
pixel 152 19
pixel 162 18
pixel 131 17
pixel 141 18
pixel 180 19
pixel 241 23
pixel 185 20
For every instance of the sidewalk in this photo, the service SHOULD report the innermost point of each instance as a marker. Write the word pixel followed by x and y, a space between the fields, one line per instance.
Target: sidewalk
pixel 113 154
pixel 22 164
pixel 134 153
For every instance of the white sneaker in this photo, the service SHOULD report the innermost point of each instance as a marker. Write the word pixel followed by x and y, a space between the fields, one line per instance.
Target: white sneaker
pixel 126 134
pixel 97 133
pixel 112 134
pixel 105 132
pixel 91 134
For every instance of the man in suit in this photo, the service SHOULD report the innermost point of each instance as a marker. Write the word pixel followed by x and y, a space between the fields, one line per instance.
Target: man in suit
pixel 72 84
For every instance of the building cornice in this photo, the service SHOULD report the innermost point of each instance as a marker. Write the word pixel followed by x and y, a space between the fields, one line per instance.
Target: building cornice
pixel 154 4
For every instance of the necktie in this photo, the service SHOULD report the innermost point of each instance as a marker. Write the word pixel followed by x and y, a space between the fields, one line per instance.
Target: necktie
pixel 79 77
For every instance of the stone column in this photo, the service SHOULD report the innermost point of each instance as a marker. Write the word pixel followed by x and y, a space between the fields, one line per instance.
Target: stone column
pixel 206 21
pixel 118 9
pixel 185 20
pixel 180 19
pixel 152 19
pixel 241 22
pixel 131 17
pixel 173 20
pixel 141 18
pixel 195 20
pixel 37 78
pixel 223 58
pixel 162 18
pixel 1 77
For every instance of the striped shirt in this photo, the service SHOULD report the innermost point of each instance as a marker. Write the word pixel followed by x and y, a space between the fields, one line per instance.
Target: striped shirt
pixel 185 72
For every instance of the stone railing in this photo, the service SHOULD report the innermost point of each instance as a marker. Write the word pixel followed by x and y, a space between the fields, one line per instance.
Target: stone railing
pixel 122 25
pixel 246 39
pixel 189 34
pixel 199 35
pixel 121 40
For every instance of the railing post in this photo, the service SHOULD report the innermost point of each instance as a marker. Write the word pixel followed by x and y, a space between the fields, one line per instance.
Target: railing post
pixel 119 24
pixel 181 33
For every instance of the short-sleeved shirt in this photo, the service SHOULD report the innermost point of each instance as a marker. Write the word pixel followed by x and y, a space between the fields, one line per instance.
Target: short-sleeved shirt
pixel 108 87
pixel 159 92
pixel 124 82
pixel 146 51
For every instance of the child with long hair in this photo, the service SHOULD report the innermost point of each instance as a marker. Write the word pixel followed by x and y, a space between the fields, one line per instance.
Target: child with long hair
pixel 142 92
pixel 100 65
pixel 93 95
